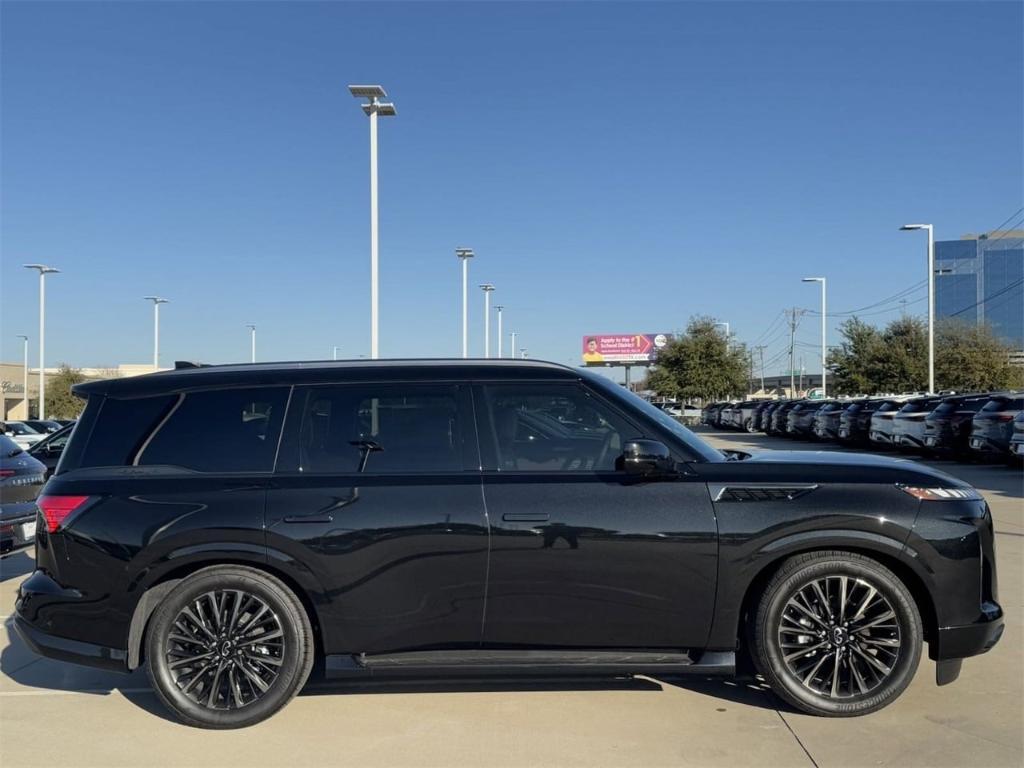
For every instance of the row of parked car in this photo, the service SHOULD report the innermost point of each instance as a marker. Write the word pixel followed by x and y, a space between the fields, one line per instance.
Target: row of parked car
pixel 987 424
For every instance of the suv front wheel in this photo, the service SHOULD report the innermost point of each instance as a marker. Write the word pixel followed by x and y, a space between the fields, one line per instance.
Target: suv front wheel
pixel 836 634
pixel 228 647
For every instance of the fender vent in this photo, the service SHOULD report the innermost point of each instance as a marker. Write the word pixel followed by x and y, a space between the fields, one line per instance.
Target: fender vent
pixel 761 493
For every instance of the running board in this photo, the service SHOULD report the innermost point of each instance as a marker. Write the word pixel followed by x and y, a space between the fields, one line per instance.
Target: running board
pixel 481 663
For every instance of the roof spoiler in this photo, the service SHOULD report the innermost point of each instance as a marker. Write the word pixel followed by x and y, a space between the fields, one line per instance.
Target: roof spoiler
pixel 180 365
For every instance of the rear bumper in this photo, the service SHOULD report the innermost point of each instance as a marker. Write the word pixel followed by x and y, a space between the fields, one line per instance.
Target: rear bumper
pixel 74 651
pixel 969 639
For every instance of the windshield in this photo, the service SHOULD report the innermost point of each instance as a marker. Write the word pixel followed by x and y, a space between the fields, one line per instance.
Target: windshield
pixel 20 429
pixel 694 443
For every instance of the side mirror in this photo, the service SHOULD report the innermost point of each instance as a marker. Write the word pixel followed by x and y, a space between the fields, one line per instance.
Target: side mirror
pixel 647 457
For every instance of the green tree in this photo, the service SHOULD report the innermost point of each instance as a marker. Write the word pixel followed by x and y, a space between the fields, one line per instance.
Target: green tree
pixel 700 363
pixel 967 358
pixel 61 403
pixel 847 363
pixel 970 358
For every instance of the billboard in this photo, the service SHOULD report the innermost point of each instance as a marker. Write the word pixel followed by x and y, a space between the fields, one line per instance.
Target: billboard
pixel 623 349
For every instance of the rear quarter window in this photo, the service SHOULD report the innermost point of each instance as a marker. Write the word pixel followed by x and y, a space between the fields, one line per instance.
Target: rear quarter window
pixel 226 430
pixel 121 428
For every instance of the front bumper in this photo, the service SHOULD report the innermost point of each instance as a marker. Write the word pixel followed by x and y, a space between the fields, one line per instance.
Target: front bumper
pixel 74 651
pixel 969 639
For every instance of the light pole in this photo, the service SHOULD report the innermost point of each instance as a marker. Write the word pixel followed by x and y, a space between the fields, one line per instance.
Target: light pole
pixel 487 288
pixel 513 335
pixel 499 307
pixel 334 355
pixel 24 375
pixel 43 272
pixel 252 341
pixel 465 254
pixel 726 332
pixel 931 298
pixel 157 301
pixel 824 331
pixel 373 107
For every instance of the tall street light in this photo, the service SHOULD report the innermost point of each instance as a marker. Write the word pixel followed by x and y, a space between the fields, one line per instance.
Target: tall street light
pixel 252 341
pixel 513 350
pixel 335 353
pixel 498 308
pixel 824 341
pixel 157 301
pixel 24 375
pixel 487 288
pixel 373 107
pixel 43 272
pixel 465 254
pixel 931 298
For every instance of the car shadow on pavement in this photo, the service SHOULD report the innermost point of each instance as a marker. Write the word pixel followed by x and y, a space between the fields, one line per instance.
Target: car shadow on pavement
pixel 745 691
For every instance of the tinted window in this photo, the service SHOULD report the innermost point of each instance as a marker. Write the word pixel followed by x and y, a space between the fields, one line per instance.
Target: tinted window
pixel 1003 404
pixel 948 406
pixel 398 428
pixel 226 430
pixel 554 428
pixel 121 428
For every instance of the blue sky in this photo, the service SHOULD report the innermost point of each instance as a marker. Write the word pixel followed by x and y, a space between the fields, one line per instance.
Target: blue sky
pixel 616 167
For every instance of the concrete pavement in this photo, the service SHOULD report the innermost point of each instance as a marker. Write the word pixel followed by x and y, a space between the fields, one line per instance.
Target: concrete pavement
pixel 57 715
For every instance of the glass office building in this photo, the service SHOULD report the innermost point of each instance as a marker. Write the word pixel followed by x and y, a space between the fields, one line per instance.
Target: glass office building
pixel 981 280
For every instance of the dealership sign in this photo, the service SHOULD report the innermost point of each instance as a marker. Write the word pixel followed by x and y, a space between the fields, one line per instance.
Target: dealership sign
pixel 623 349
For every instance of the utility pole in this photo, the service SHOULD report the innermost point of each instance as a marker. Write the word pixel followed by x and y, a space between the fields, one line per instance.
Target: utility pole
pixel 794 320
pixel 760 349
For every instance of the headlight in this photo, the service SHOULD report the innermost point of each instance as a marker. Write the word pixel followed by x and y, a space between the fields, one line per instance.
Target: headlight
pixel 941 494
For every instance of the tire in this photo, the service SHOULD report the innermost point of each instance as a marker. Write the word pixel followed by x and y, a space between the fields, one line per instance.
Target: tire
pixel 749 426
pixel 232 684
pixel 805 679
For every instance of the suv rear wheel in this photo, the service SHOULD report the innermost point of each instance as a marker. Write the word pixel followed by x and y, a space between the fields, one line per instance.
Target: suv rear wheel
pixel 836 634
pixel 228 647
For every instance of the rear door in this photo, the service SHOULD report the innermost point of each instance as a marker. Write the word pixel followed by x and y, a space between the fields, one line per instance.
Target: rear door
pixel 377 493
pixel 582 554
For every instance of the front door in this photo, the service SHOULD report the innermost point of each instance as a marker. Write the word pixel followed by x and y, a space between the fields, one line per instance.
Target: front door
pixel 377 492
pixel 582 554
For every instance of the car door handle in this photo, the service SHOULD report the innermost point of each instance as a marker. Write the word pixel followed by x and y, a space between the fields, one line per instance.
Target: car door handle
pixel 525 517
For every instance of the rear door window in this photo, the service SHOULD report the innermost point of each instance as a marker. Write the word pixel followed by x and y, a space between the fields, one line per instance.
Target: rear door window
pixel 380 429
pixel 224 430
pixel 121 427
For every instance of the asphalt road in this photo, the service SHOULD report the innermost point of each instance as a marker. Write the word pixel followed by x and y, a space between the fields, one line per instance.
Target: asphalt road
pixel 55 715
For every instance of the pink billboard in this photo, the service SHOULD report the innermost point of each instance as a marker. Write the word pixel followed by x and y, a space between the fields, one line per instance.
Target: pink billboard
pixel 623 349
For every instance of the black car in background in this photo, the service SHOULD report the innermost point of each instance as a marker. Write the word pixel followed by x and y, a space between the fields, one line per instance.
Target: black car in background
pixel 881 429
pixel 947 429
pixel 800 418
pixel 21 479
pixel 408 518
pixel 826 420
pixel 1017 438
pixel 43 426
pixel 761 413
pixel 992 426
pixel 855 421
pixel 49 449
pixel 777 426
pixel 712 413
pixel 908 425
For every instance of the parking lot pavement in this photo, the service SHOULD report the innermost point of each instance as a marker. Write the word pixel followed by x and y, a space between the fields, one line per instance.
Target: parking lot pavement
pixel 57 715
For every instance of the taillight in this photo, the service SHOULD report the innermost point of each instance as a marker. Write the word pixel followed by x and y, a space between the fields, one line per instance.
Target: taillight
pixel 57 509
pixel 6 473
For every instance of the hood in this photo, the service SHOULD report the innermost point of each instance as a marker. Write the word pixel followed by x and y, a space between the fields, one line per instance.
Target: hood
pixel 866 460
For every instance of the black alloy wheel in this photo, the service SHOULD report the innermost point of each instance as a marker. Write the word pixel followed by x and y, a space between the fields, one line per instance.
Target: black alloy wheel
pixel 228 647
pixel 837 634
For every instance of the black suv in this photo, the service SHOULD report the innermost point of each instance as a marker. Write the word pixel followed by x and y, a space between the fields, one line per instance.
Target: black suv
pixel 225 526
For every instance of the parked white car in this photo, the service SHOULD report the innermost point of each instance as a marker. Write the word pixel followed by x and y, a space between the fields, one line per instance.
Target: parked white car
pixel 22 433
